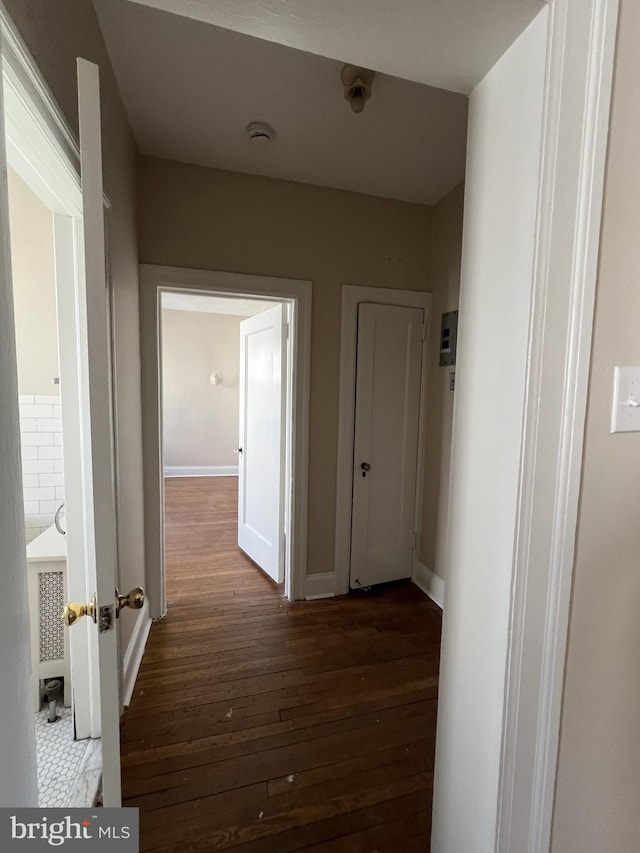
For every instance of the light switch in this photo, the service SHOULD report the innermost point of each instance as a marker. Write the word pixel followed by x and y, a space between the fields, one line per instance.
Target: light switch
pixel 625 416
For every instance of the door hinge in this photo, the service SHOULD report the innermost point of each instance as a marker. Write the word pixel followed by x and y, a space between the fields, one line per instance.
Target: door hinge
pixel 286 330
pixel 424 331
pixel 414 541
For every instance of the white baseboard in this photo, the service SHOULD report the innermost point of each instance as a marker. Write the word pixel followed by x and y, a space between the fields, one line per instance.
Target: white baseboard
pixel 429 583
pixel 322 585
pixel 200 470
pixel 134 653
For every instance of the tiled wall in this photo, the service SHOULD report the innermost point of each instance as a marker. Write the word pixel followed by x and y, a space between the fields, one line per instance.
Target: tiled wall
pixel 41 435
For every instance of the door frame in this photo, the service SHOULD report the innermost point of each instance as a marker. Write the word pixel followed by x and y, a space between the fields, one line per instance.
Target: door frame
pixel 44 152
pixel 352 296
pixel 578 85
pixel 153 280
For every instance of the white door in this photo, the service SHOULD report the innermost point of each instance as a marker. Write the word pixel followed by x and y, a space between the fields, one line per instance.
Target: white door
pixel 262 440
pixel 388 374
pixel 96 451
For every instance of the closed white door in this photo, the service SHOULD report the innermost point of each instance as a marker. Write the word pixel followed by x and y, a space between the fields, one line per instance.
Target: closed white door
pixel 388 375
pixel 262 440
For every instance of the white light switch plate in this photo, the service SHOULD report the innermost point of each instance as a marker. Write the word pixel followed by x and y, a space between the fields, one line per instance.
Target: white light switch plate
pixel 625 416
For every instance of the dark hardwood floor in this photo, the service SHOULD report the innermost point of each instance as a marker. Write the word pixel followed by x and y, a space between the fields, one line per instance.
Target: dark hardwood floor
pixel 261 725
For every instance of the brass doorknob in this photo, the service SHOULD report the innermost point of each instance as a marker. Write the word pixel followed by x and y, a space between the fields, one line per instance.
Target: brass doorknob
pixel 133 599
pixel 73 611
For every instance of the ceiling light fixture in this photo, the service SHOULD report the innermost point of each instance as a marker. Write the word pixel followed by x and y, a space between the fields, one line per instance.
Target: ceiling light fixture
pixel 260 133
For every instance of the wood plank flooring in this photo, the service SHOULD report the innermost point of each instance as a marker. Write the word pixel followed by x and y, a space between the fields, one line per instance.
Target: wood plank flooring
pixel 261 725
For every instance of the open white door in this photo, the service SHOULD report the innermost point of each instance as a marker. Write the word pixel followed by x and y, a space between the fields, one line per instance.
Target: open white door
pixel 385 443
pixel 98 499
pixel 262 440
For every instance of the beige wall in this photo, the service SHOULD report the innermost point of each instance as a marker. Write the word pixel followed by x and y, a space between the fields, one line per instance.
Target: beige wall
pixel 598 789
pixel 34 289
pixel 56 33
pixel 200 420
pixel 445 277
pixel 194 217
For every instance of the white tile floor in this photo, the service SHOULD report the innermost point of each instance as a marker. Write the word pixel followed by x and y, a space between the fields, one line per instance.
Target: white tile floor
pixel 59 758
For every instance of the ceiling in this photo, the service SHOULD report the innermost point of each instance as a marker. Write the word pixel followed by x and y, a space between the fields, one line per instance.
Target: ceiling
pixel 446 43
pixel 190 89
pixel 204 304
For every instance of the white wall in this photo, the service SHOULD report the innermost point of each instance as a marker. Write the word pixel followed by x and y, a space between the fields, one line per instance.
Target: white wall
pixel 500 206
pixel 215 220
pixel 34 289
pixel 34 304
pixel 200 420
pixel 445 274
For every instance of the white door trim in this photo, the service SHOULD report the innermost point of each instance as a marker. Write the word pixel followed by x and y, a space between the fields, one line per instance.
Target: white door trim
pixel 352 296
pixel 18 779
pixel 153 279
pixel 579 71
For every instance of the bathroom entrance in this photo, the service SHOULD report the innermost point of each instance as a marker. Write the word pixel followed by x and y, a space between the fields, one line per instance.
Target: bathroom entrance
pixel 58 382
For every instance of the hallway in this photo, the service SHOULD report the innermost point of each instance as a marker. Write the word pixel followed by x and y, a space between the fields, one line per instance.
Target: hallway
pixel 261 725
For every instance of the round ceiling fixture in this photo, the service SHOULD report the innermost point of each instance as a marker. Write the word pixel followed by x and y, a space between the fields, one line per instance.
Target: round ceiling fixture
pixel 260 133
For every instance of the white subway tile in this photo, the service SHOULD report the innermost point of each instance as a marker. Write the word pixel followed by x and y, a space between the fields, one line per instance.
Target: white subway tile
pixel 49 425
pixel 45 520
pixel 25 399
pixel 38 466
pixel 57 439
pixel 59 465
pixel 51 479
pixel 34 411
pixel 49 399
pixel 49 506
pixel 29 480
pixel 41 493
pixel 59 493
pixel 28 425
pixel 37 439
pixel 31 507
pixel 29 453
pixel 49 453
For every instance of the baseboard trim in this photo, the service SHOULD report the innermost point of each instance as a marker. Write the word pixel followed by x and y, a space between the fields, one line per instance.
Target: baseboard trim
pixel 200 470
pixel 322 585
pixel 134 653
pixel 429 583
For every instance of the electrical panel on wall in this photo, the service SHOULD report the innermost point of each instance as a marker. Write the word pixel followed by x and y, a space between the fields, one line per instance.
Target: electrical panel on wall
pixel 448 338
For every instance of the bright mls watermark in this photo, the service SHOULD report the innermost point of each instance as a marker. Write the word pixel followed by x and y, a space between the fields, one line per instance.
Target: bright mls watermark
pixel 64 829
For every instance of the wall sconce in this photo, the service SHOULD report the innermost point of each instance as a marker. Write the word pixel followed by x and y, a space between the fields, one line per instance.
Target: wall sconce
pixel 215 379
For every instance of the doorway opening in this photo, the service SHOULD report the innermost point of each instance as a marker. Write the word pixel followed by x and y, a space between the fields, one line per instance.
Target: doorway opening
pixel 270 294
pixel 46 258
pixel 61 326
pixel 226 377
pixel 59 755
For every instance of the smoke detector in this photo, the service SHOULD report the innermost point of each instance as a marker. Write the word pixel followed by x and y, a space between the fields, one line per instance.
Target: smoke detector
pixel 260 133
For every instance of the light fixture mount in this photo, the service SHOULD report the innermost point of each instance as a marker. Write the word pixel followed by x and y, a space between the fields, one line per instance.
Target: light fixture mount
pixel 260 133
pixel 357 83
